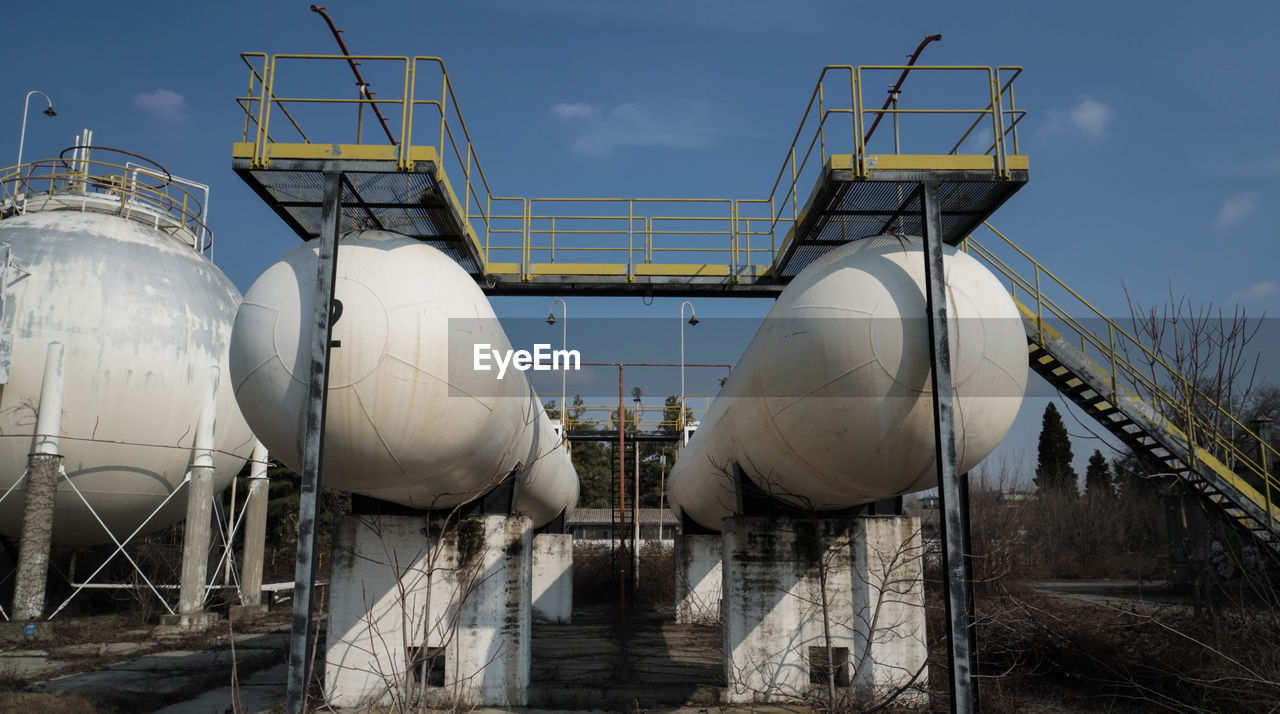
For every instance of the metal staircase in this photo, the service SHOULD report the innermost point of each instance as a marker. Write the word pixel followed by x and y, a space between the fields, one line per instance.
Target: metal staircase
pixel 1137 396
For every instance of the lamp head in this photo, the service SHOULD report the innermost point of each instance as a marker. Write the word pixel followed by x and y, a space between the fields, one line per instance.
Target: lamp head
pixel 50 111
pixel 551 318
pixel 693 320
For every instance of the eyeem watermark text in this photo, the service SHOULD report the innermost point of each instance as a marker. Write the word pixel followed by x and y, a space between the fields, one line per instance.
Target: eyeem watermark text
pixel 542 359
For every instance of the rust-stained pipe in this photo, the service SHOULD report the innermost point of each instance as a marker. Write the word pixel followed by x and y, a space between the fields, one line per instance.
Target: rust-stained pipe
pixel 898 87
pixel 365 92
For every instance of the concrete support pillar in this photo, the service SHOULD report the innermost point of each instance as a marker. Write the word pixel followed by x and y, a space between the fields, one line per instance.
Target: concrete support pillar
pixel 197 531
pixel 255 537
pixel 698 579
pixel 553 577
pixel 43 467
pixel 808 599
pixel 419 613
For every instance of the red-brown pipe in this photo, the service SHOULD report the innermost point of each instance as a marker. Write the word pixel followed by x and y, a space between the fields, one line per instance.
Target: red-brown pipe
pixel 355 69
pixel 898 87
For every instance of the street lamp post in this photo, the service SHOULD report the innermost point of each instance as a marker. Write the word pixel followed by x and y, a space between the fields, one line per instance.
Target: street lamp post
pixel 693 320
pixel 26 105
pixel 564 345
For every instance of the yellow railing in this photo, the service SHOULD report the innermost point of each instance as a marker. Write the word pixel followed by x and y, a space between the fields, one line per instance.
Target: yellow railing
pixel 724 237
pixel 85 184
pixel 1135 369
pixel 836 122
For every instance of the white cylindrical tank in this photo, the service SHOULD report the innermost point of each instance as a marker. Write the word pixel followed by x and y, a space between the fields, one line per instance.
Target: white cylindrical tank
pixel 830 405
pixel 142 317
pixel 408 419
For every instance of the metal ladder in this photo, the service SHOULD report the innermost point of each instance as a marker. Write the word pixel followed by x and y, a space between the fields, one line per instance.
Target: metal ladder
pixel 1144 402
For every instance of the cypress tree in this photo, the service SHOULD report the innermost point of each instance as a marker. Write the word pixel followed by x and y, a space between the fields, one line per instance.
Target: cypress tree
pixel 1097 477
pixel 1053 465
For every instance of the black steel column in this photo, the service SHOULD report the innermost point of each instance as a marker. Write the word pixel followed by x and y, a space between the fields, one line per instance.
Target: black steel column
pixel 955 512
pixel 303 634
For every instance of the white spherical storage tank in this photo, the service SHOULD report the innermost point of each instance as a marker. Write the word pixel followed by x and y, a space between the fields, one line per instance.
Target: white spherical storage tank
pixel 831 406
pixel 408 418
pixel 143 318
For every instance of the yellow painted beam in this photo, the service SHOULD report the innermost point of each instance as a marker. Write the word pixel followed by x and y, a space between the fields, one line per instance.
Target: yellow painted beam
pixel 357 152
pixel 929 162
pixel 683 270
pixel 579 269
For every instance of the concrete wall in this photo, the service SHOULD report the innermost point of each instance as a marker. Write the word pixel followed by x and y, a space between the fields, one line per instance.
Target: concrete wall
pixel 698 579
pixel 395 578
pixel 553 577
pixel 774 606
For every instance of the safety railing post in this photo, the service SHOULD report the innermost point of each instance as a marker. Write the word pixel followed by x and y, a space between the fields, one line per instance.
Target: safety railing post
pixel 403 161
pixel 631 274
pixel 1190 425
pixel 795 190
pixel 444 106
pixel 467 200
pixel 733 241
pixel 997 124
pixel 860 149
pixel 1039 308
pixel 822 120
pixel 524 242
pixel 264 113
pixel 553 245
pixel 648 235
pixel 1111 350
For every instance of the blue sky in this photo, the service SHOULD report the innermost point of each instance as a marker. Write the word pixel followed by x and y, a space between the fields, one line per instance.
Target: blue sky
pixel 1153 136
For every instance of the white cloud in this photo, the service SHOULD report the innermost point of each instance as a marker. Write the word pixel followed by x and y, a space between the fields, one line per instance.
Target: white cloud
pixel 162 104
pixel 600 130
pixel 574 110
pixel 1257 291
pixel 1235 210
pixel 1090 117
pixel 978 142
pixel 1087 116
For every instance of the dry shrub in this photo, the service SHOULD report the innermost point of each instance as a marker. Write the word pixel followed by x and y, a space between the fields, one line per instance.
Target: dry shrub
pixel 27 702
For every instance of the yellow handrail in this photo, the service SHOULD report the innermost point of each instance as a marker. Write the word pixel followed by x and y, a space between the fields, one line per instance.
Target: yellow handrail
pixel 1192 412
pixel 832 121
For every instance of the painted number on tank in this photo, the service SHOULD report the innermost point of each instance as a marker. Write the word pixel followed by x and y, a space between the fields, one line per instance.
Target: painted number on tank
pixel 335 314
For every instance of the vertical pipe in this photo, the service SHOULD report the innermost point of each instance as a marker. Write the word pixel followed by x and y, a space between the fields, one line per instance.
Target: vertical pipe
pixel 635 512
pixel 43 465
pixel 313 447
pixel 622 499
pixel 955 520
pixel 196 531
pixel 255 527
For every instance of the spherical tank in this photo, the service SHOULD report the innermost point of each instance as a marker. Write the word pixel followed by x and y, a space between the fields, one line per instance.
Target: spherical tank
pixel 409 420
pixel 142 317
pixel 830 405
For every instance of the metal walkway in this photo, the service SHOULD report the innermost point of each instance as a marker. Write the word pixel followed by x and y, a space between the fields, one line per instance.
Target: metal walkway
pixel 1140 398
pixel 437 191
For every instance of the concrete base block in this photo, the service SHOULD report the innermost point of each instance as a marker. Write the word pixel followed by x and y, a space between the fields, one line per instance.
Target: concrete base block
pixel 553 577
pixel 188 621
pixel 25 631
pixel 787 583
pixel 247 613
pixel 413 609
pixel 698 576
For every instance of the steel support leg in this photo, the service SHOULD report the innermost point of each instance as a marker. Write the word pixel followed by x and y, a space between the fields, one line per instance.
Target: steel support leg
pixel 255 527
pixel 302 635
pixel 955 512
pixel 43 468
pixel 197 531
